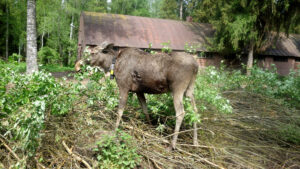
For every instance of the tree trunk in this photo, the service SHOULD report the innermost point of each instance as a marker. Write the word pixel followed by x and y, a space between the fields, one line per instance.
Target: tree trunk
pixel 71 27
pixel 181 6
pixel 19 59
pixel 71 35
pixel 31 49
pixel 7 33
pixel 42 39
pixel 250 60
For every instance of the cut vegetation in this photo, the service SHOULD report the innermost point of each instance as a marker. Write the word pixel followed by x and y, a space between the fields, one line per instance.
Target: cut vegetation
pixel 64 125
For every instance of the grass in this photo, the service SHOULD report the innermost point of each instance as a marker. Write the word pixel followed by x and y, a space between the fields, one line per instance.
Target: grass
pixel 21 67
pixel 56 68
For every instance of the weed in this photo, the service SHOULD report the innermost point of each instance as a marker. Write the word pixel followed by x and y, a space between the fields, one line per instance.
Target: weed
pixel 117 151
pixel 166 47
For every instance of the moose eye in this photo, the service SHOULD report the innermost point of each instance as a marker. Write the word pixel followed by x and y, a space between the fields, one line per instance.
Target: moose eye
pixel 105 51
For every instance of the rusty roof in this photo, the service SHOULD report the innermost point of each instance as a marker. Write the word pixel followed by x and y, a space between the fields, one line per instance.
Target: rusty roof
pixel 285 46
pixel 134 31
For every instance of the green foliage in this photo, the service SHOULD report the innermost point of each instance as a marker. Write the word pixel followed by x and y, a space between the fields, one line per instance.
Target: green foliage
pixel 14 58
pixel 169 9
pixel 265 82
pixel 55 68
pixel 149 50
pixel 166 47
pixel 104 93
pixel 271 84
pixel 290 133
pixel 208 91
pixel 241 24
pixel 25 101
pixel 15 66
pixel 155 8
pixel 47 55
pixel 191 48
pixel 117 151
pixel 21 67
pixel 130 7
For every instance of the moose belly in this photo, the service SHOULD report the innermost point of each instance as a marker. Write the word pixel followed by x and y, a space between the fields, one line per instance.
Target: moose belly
pixel 151 88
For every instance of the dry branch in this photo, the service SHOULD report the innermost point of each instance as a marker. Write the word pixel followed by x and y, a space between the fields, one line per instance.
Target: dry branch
pixel 10 150
pixel 200 158
pixel 76 157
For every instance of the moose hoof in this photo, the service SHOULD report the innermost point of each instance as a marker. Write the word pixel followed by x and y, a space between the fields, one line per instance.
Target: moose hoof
pixel 196 143
pixel 170 149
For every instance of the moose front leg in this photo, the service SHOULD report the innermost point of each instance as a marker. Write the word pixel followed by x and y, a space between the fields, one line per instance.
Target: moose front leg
pixel 122 105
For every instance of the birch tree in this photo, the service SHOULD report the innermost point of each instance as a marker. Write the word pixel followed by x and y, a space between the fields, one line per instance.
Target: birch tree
pixel 31 53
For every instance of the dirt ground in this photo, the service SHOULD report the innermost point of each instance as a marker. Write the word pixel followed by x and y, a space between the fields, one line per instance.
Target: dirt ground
pixel 68 75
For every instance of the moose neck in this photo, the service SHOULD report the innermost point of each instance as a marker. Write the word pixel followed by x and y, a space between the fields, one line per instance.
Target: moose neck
pixel 110 59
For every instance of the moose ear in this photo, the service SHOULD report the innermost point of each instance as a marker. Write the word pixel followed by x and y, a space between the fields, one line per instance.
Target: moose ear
pixel 106 46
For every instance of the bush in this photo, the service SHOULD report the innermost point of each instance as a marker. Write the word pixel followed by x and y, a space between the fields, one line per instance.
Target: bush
pixel 117 151
pixel 290 133
pixel 25 101
pixel 48 55
pixel 264 82
pixel 14 58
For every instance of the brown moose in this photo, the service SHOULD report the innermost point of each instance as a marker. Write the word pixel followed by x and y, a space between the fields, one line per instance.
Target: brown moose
pixel 141 72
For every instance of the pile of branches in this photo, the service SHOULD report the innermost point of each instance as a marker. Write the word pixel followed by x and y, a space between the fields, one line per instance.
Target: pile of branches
pixel 247 138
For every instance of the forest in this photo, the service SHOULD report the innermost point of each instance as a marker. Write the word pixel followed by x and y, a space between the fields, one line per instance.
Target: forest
pixel 52 116
pixel 57 22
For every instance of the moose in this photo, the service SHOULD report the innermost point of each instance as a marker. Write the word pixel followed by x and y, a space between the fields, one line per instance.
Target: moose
pixel 140 72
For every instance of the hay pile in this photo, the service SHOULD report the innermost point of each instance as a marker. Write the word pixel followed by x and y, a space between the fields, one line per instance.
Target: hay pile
pixel 247 138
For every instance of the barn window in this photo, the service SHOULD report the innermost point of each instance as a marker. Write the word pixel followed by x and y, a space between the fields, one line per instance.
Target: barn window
pixel 297 59
pixel 280 59
pixel 205 55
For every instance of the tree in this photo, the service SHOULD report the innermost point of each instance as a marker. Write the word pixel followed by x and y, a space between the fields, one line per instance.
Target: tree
pixel 169 9
pixel 130 7
pixel 244 24
pixel 7 30
pixel 31 54
pixel 155 8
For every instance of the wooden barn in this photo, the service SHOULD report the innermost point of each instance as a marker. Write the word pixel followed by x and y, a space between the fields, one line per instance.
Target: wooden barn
pixel 139 32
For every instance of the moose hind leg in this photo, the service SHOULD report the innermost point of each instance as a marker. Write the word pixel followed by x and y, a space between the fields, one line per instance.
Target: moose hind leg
pixel 177 96
pixel 190 94
pixel 122 104
pixel 143 103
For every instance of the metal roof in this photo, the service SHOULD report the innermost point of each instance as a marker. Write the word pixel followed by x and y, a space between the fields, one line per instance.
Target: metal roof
pixel 135 31
pixel 285 46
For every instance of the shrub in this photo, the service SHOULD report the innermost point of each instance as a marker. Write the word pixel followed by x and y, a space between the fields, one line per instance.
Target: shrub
pixel 117 151
pixel 166 47
pixel 48 55
pixel 290 133
pixel 24 105
pixel 14 58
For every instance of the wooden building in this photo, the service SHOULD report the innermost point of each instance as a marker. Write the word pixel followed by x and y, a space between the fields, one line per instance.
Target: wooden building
pixel 140 32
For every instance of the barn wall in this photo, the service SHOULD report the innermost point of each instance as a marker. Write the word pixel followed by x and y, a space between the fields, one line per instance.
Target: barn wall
pixel 283 64
pixel 81 38
pixel 297 65
pixel 284 67
pixel 213 61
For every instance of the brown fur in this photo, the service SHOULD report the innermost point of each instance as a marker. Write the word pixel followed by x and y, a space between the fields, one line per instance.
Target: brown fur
pixel 140 72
